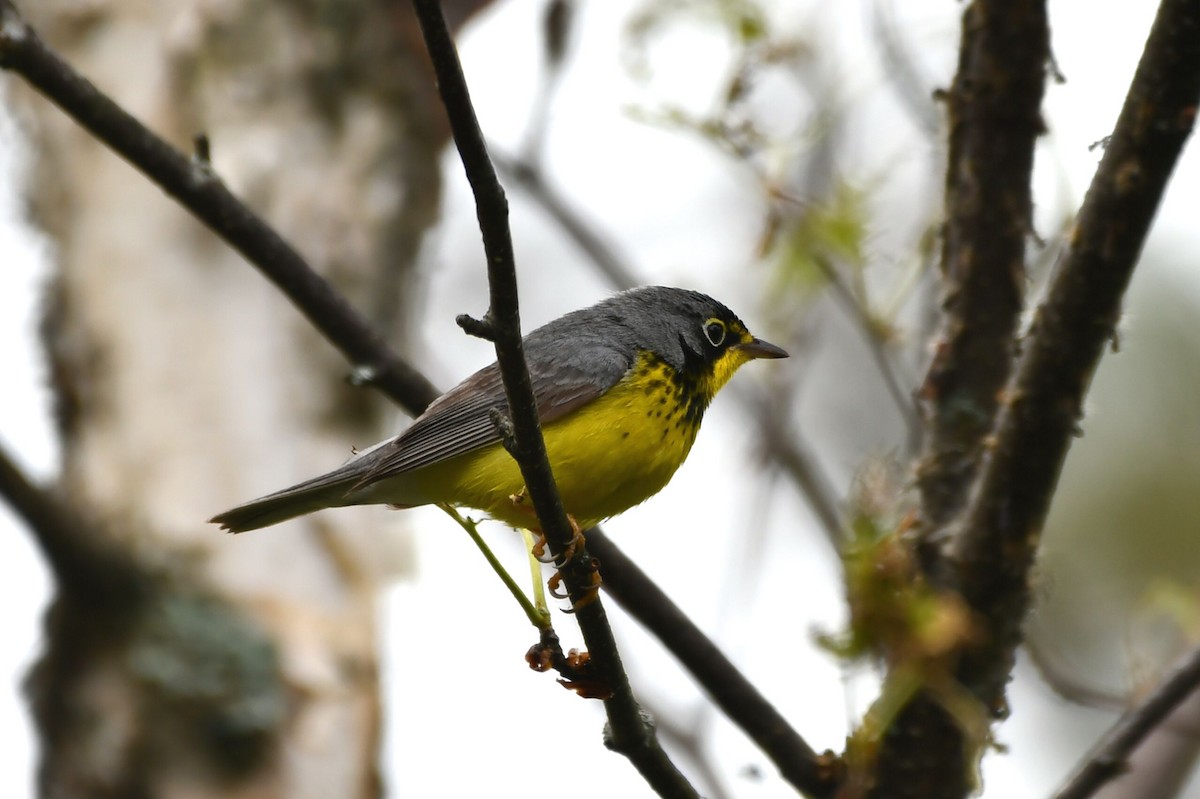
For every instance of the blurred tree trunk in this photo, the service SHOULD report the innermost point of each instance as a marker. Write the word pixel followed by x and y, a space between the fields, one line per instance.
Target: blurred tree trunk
pixel 208 665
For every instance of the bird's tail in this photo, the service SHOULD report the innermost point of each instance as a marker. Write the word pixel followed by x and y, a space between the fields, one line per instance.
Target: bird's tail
pixel 327 491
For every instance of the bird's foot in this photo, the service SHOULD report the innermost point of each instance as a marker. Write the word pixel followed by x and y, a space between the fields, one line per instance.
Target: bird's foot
pixel 554 586
pixel 539 546
pixel 567 555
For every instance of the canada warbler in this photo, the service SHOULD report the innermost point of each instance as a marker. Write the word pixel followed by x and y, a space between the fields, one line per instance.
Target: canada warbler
pixel 620 388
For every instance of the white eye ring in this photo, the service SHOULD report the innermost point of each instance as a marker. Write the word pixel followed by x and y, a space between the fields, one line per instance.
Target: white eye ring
pixel 714 331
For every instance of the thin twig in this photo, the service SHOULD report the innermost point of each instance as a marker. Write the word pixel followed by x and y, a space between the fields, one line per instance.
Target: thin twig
pixel 630 731
pixel 1108 759
pixel 902 399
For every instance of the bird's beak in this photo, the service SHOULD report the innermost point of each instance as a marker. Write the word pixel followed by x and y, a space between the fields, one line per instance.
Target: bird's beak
pixel 757 348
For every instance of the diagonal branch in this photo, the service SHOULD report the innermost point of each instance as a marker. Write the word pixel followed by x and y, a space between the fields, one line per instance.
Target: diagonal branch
pixel 1109 759
pixel 630 731
pixel 84 562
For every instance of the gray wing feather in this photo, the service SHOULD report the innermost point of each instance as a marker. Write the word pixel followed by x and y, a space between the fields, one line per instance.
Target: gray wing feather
pixel 460 420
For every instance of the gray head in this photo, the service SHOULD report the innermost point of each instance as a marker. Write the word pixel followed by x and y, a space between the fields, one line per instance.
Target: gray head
pixel 688 330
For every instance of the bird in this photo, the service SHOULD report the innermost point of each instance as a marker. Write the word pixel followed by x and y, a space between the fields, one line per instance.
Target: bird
pixel 621 388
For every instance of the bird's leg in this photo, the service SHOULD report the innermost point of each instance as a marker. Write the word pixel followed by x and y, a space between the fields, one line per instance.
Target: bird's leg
pixel 576 542
pixel 538 551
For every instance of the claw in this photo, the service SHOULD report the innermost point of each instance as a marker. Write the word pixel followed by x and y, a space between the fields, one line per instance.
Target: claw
pixel 554 585
pixel 538 550
pixel 593 589
pixel 577 541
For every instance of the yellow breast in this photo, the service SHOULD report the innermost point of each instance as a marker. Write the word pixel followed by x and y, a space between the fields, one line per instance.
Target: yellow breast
pixel 611 454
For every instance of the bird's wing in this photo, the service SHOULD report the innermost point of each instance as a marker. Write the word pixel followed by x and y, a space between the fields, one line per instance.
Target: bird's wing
pixel 460 420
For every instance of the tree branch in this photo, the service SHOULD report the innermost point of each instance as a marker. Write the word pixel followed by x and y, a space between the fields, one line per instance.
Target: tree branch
pixel 630 731
pixel 83 561
pixel 1108 760
pixel 1000 528
pixel 995 120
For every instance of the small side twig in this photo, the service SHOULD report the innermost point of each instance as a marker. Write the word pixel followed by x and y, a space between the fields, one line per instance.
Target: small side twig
pixel 630 731
pixel 1108 759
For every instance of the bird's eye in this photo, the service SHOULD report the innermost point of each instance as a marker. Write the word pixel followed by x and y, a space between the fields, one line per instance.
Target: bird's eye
pixel 714 331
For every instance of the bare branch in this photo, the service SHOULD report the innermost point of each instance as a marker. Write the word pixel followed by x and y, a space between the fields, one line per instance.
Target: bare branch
pixel 1108 759
pixel 83 561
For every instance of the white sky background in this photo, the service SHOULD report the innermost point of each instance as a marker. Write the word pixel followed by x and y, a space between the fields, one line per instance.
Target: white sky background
pixel 637 182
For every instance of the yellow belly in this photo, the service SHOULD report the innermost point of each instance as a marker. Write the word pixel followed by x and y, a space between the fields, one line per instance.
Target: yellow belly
pixel 613 453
